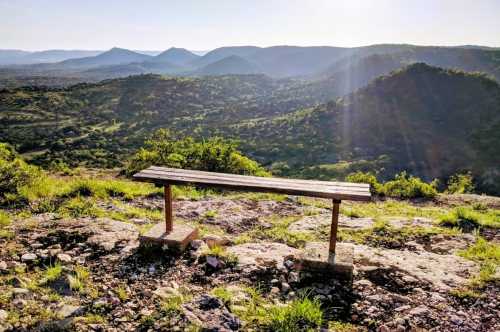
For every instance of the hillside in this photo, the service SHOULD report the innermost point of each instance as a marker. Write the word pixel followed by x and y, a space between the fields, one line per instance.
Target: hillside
pixel 230 65
pixel 101 124
pixel 429 121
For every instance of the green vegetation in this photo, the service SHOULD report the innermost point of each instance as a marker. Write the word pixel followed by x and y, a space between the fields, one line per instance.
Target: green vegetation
pixel 78 281
pixel 223 293
pixel 52 273
pixel 383 233
pixel 288 125
pixel 279 232
pixel 487 254
pixel 469 219
pixel 14 174
pixel 221 253
pixel 362 177
pixel 5 221
pixel 303 314
pixel 407 186
pixel 402 186
pixel 214 154
pixel 464 293
pixel 121 292
pixel 460 184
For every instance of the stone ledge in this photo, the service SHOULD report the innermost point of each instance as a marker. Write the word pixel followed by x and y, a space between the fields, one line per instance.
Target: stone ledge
pixel 315 258
pixel 177 240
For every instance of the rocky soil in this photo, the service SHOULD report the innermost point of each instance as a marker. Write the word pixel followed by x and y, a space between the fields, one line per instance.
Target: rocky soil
pixel 405 287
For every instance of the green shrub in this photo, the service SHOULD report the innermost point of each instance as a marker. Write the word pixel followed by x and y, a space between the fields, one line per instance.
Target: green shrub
pixel 460 184
pixel 362 177
pixel 407 186
pixel 215 154
pixel 14 174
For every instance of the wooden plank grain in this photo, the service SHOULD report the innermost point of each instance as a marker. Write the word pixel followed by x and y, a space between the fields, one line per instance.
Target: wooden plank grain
pixel 313 188
pixel 185 171
pixel 243 181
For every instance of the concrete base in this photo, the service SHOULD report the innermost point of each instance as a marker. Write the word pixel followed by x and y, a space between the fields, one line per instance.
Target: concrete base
pixel 177 240
pixel 316 258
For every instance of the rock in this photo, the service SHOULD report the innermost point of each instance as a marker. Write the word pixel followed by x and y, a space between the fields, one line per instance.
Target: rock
pixel 252 253
pixel 208 302
pixel 213 261
pixel 28 257
pixel 3 267
pixel 111 232
pixel 19 303
pixel 20 292
pixel 275 290
pixel 195 244
pixel 166 292
pixel 67 310
pixel 3 315
pixel 439 271
pixel 293 277
pixel 456 320
pixel 210 314
pixel 64 258
pixel 215 240
pixel 285 287
pixel 419 311
pixel 383 328
pixel 36 245
pixel 402 308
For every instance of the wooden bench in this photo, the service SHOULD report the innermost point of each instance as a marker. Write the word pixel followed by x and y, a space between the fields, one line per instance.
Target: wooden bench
pixel 180 236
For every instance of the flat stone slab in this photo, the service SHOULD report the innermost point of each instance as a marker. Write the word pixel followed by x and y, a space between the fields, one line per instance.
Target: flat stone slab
pixel 316 257
pixel 442 272
pixel 262 253
pixel 178 239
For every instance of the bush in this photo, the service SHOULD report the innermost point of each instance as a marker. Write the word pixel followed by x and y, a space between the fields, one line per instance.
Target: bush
pixel 14 174
pixel 361 177
pixel 460 184
pixel 215 155
pixel 407 186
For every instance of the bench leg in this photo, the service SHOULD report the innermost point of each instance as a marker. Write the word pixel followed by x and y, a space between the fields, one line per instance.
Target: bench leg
pixel 333 231
pixel 169 223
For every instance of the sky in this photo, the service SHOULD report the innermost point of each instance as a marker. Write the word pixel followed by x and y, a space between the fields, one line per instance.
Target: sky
pixel 208 24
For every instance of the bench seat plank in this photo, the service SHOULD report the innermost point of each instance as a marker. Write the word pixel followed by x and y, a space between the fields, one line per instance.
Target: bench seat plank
pixel 313 188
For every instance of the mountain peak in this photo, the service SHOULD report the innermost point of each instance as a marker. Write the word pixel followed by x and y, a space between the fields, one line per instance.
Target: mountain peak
pixel 178 56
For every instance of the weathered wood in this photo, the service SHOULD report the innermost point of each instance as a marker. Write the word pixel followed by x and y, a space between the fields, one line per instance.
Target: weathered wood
pixel 334 227
pixel 237 176
pixel 169 223
pixel 325 189
pixel 336 191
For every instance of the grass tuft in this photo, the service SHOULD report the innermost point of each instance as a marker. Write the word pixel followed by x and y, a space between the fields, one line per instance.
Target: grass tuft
pixel 487 254
pixel 300 315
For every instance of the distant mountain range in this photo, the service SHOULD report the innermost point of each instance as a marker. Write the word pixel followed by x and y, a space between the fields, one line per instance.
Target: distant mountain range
pixel 355 67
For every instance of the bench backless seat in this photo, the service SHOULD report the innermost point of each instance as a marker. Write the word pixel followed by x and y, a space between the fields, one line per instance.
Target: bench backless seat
pixel 336 191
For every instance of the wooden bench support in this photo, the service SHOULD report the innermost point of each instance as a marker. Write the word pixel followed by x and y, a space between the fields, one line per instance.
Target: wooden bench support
pixel 175 237
pixel 180 235
pixel 333 231
pixel 169 222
